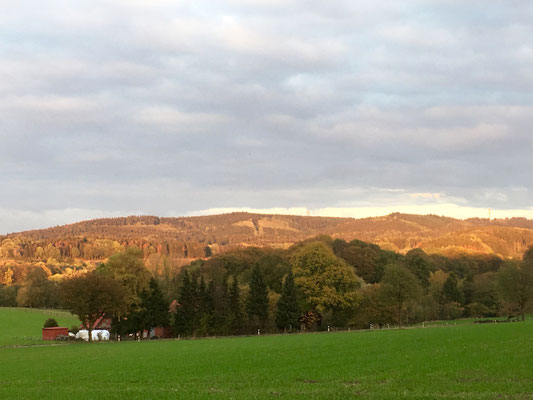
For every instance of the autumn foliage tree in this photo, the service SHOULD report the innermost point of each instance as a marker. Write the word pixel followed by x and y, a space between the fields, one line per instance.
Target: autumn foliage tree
pixel 128 268
pixel 326 282
pixel 516 283
pixel 92 295
pixel 399 286
pixel 37 291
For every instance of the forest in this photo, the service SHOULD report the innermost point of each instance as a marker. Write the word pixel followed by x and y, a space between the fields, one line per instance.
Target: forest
pixel 316 284
pixel 179 241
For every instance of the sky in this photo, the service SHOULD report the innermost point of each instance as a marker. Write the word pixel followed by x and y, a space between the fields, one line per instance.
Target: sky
pixel 342 108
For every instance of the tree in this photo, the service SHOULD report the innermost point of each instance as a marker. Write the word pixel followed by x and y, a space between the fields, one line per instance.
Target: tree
pixel 374 308
pixel 399 286
pixel 93 295
pixel 366 258
pixel 326 281
pixel 516 284
pixel 37 291
pixel 257 301
pixel 128 268
pixel 273 267
pixel 288 313
pixel 50 323
pixel 450 290
pixel 154 307
pixel 467 288
pixel 418 263
pixel 220 296
pixel 188 306
pixel 8 296
pixel 204 316
pixel 236 315
pixel 487 292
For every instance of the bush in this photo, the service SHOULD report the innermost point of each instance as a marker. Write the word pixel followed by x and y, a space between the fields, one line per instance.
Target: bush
pixel 479 310
pixel 452 310
pixel 50 323
pixel 74 329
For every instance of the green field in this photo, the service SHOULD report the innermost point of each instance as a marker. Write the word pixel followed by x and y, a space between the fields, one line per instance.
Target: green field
pixel 22 326
pixel 460 362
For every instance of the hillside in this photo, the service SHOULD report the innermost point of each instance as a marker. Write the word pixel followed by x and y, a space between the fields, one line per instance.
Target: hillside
pixel 182 239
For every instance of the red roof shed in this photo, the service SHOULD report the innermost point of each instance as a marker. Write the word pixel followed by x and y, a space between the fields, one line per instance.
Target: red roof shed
pixel 52 333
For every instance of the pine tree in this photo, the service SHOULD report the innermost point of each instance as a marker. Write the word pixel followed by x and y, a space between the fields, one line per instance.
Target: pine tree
pixel 205 309
pixel 211 293
pixel 185 314
pixel 467 288
pixel 450 290
pixel 154 307
pixel 236 311
pixel 257 301
pixel 220 296
pixel 288 314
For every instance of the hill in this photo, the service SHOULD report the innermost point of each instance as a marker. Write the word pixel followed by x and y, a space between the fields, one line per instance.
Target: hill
pixel 182 239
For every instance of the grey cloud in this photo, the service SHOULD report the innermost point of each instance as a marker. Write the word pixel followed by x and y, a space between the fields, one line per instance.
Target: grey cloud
pixel 169 107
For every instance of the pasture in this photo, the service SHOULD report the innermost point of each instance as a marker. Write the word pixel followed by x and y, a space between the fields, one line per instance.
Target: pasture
pixel 460 362
pixel 22 326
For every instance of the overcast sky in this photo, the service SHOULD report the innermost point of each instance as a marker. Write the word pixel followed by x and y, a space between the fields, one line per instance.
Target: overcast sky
pixel 349 108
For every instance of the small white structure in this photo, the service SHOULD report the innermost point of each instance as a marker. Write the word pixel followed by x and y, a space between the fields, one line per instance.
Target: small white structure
pixel 97 334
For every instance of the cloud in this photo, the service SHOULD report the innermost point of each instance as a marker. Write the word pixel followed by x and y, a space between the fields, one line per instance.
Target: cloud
pixel 447 210
pixel 172 107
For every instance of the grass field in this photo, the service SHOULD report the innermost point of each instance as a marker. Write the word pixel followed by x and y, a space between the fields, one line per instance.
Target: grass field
pixel 460 362
pixel 22 326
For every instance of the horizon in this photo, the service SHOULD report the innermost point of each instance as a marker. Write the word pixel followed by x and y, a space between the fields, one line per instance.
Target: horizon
pixel 292 212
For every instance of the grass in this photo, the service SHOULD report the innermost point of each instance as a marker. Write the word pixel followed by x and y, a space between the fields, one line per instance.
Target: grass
pixel 457 362
pixel 22 326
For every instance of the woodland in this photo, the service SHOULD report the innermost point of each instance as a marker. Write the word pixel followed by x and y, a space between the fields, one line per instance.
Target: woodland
pixel 316 284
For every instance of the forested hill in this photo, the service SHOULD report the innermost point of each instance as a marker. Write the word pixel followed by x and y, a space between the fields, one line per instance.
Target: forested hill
pixel 198 237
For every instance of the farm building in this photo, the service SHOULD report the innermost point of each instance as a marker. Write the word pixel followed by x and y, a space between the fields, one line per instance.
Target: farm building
pixel 103 322
pixel 160 332
pixel 53 332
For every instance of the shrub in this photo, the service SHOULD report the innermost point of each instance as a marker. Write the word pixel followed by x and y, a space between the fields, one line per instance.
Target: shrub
pixel 479 310
pixel 50 323
pixel 74 329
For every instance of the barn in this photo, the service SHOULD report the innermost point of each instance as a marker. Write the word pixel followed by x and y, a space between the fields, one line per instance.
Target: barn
pixel 53 332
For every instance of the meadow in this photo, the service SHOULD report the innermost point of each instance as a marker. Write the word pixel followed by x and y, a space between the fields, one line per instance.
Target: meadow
pixel 22 326
pixel 462 361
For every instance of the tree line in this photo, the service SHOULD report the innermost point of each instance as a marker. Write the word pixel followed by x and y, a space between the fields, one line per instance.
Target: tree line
pixel 315 284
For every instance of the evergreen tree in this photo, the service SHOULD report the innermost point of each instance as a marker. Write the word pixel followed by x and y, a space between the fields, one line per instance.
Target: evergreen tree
pixel 467 288
pixel 211 294
pixel 205 309
pixel 288 314
pixel 185 314
pixel 154 307
pixel 220 296
pixel 236 311
pixel 195 302
pixel 450 290
pixel 257 301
